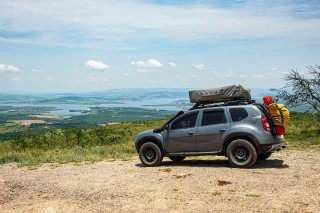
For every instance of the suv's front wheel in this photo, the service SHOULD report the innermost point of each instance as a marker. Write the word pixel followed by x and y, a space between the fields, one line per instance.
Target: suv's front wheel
pixel 241 153
pixel 150 154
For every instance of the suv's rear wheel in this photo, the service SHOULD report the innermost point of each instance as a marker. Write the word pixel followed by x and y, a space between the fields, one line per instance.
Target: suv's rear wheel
pixel 177 158
pixel 150 154
pixel 264 156
pixel 241 153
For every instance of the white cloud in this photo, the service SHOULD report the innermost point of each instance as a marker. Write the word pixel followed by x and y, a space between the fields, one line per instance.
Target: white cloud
pixel 193 21
pixel 97 79
pixel 171 64
pixel 281 70
pixel 20 79
pixel 138 63
pixel 259 76
pixel 228 74
pixel 199 66
pixel 37 70
pixel 8 68
pixel 284 72
pixel 274 68
pixel 96 65
pixel 149 63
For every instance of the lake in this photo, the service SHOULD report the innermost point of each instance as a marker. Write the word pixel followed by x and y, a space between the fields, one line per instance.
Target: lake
pixel 170 104
pixel 64 109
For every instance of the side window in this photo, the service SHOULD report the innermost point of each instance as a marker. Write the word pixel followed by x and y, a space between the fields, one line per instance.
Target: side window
pixel 238 114
pixel 213 117
pixel 185 122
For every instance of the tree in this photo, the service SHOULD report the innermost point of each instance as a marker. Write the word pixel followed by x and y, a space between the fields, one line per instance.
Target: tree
pixel 79 135
pixel 301 90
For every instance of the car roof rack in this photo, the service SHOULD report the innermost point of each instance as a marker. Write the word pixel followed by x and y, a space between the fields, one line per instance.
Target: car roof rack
pixel 219 104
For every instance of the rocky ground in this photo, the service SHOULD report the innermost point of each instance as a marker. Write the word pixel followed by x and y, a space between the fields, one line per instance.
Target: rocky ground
pixel 287 182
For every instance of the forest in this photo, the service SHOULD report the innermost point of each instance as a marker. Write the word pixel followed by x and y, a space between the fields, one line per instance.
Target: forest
pixel 18 121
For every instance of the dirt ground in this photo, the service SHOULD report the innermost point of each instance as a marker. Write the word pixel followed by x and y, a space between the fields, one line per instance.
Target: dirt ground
pixel 287 182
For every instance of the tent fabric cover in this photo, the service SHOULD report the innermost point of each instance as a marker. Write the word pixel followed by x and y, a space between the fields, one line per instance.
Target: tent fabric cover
pixel 220 94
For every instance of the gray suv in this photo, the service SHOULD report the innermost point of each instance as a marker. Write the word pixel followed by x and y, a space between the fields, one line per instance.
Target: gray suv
pixel 242 132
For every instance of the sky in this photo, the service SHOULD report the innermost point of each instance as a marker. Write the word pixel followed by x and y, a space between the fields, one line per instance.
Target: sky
pixel 95 45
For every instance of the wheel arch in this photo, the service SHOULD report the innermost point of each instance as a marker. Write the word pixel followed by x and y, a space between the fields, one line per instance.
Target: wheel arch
pixel 245 136
pixel 149 139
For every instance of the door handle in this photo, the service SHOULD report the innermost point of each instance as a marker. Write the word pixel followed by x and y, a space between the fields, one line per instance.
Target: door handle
pixel 191 133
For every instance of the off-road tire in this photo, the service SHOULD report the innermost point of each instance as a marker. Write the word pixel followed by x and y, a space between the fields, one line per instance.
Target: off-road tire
pixel 264 156
pixel 150 154
pixel 177 158
pixel 241 153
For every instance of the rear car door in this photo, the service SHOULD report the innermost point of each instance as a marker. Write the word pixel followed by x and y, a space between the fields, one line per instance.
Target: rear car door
pixel 181 136
pixel 212 130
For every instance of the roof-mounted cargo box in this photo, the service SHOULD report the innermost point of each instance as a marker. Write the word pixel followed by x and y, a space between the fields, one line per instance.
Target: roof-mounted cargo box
pixel 221 94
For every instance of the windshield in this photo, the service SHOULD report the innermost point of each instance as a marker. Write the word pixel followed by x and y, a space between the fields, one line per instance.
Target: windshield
pixel 160 129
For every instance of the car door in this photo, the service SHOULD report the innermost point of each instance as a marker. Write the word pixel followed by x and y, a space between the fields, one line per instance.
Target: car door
pixel 212 130
pixel 181 134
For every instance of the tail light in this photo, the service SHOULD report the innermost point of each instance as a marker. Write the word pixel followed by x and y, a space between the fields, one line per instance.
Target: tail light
pixel 266 125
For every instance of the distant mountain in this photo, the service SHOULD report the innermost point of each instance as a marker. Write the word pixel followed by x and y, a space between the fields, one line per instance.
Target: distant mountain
pixel 115 95
pixel 118 95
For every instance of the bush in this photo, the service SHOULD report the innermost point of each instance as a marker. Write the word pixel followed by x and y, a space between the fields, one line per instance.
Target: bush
pixel 304 131
pixel 74 145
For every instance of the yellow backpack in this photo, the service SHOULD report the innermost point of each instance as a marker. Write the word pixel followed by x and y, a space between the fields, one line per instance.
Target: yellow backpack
pixel 280 114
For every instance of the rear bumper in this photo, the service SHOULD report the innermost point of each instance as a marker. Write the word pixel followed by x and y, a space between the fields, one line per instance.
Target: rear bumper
pixel 271 147
pixel 277 145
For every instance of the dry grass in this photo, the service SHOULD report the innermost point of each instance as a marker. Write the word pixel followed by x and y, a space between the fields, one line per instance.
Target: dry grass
pixel 46 116
pixel 28 122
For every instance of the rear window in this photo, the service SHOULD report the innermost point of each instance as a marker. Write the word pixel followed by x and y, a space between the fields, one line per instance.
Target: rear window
pixel 238 114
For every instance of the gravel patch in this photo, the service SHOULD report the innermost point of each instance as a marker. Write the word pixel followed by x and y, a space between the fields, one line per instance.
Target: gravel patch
pixel 287 182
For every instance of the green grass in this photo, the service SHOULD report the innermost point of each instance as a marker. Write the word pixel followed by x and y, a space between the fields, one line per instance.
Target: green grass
pixel 216 193
pixel 253 195
pixel 9 127
pixel 304 131
pixel 232 190
pixel 117 142
pixel 75 145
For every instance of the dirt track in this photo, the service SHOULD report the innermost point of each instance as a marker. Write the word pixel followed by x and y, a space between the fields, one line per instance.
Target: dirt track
pixel 287 182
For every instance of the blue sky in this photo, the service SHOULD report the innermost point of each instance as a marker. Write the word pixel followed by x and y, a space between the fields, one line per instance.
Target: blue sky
pixel 90 45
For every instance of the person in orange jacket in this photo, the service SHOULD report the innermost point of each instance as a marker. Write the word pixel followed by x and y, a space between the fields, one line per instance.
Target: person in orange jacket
pixel 280 129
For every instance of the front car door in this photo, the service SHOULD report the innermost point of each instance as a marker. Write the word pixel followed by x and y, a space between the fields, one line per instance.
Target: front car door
pixel 212 129
pixel 181 134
